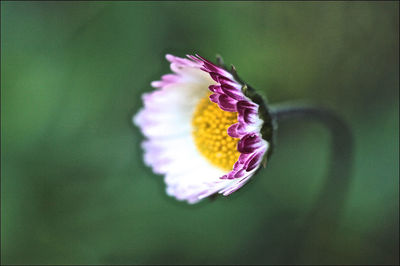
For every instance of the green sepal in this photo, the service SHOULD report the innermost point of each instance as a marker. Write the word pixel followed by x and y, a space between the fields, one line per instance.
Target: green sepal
pixel 220 61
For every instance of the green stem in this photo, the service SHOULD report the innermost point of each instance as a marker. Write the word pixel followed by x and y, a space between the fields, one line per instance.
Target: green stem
pixel 321 222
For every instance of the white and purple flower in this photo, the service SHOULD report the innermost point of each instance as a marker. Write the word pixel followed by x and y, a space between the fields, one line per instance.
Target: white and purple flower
pixel 204 132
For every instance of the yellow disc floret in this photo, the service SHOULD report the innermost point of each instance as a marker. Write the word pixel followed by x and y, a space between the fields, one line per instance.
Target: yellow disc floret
pixel 210 125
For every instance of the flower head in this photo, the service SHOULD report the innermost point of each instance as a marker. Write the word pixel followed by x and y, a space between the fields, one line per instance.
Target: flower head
pixel 205 130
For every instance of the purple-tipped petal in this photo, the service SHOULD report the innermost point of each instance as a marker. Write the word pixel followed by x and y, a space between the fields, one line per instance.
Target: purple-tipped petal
pixel 253 161
pixel 232 92
pixel 244 157
pixel 233 131
pixel 214 97
pixel 249 143
pixel 214 76
pixel 240 173
pixel 227 103
pixel 248 112
pixel 215 89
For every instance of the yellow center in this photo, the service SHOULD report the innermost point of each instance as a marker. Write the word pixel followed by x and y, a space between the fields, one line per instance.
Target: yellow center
pixel 210 125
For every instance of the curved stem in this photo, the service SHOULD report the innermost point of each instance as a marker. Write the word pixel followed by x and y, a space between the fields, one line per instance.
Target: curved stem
pixel 321 222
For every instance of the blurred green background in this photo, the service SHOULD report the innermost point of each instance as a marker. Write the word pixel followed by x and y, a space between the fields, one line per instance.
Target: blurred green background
pixel 74 188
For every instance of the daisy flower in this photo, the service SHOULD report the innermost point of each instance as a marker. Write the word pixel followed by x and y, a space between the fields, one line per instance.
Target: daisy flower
pixel 206 130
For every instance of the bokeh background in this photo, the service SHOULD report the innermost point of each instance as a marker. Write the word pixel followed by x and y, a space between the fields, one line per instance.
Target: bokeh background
pixel 74 189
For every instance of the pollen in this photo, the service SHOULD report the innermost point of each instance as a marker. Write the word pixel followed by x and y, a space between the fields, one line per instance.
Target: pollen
pixel 210 125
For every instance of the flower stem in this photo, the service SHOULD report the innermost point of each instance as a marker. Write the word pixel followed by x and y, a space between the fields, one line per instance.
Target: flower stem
pixel 321 222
